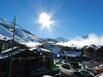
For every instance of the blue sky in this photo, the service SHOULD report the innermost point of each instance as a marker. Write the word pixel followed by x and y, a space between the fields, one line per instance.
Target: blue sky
pixel 72 17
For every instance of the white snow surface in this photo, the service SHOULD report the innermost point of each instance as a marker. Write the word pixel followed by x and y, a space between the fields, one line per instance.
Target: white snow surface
pixel 21 36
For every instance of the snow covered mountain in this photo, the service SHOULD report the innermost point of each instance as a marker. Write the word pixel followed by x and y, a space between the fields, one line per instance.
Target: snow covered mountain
pixel 61 39
pixel 21 35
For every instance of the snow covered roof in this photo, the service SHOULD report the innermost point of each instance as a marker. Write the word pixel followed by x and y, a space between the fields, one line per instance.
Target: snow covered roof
pixel 31 49
pixel 9 52
pixel 5 51
pixel 42 49
pixel 39 49
pixel 72 53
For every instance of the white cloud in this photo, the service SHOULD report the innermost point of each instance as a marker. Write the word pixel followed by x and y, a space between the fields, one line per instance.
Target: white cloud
pixel 80 42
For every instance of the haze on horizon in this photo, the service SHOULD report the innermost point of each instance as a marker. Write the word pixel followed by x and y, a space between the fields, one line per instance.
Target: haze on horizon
pixel 71 17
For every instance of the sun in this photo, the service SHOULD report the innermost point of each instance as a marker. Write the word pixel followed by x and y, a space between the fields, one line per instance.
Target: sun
pixel 45 20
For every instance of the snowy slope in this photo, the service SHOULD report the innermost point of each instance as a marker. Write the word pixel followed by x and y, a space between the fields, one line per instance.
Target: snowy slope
pixel 21 35
pixel 4 33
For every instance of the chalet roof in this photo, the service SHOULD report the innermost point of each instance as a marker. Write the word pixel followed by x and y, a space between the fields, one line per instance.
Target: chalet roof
pixel 73 53
pixel 42 49
pixel 39 49
pixel 7 53
pixel 31 49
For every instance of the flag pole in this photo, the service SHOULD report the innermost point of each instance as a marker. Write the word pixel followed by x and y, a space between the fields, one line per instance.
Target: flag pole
pixel 10 63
